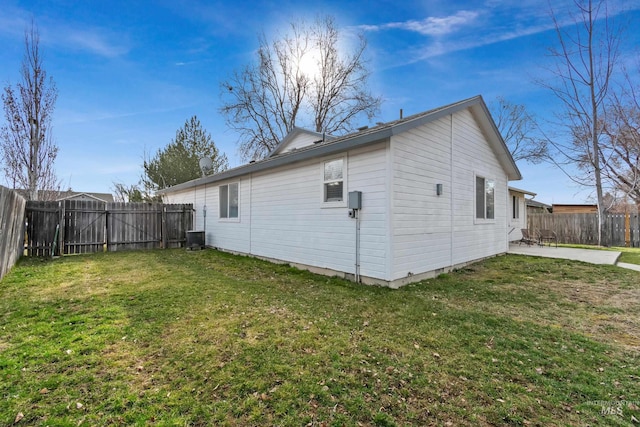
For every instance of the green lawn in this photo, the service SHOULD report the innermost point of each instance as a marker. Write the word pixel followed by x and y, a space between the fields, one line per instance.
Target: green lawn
pixel 207 338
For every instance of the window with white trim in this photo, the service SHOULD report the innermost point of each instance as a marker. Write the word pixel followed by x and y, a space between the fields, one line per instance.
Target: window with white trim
pixel 228 197
pixel 485 198
pixel 515 210
pixel 333 181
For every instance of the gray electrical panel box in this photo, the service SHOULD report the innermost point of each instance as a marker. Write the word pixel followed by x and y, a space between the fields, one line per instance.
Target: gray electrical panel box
pixel 355 200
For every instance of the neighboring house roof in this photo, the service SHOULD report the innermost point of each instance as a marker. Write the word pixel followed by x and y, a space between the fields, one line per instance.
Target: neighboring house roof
pixel 52 195
pixel 517 190
pixel 538 205
pixel 574 208
pixel 102 197
pixel 371 135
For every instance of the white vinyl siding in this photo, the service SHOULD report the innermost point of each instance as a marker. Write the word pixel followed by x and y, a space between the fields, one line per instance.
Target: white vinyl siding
pixel 367 173
pixel 289 224
pixel 297 139
pixel 472 156
pixel 431 231
pixel 301 140
pixel 230 234
pixel 421 219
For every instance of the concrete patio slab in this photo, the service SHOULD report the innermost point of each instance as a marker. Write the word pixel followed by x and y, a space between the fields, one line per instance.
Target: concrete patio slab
pixel 593 256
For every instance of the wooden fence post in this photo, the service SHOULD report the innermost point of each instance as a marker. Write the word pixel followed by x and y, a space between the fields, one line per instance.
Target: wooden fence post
pixel 163 228
pixel 627 229
pixel 61 211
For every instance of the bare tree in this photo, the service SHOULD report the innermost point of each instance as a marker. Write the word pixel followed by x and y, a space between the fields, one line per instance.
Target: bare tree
pixel 28 149
pixel 302 74
pixel 128 193
pixel 585 60
pixel 519 129
pixel 620 148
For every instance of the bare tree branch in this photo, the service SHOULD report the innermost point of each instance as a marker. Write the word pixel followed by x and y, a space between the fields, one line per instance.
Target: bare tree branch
pixel 519 129
pixel 265 101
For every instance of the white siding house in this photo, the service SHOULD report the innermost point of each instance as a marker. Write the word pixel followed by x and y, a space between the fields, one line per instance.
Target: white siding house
pixel 434 194
pixel 518 212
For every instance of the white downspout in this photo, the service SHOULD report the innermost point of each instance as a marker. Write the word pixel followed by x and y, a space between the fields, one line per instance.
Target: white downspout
pixel 357 214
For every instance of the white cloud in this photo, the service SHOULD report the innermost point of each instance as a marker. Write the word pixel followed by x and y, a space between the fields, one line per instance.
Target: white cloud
pixel 431 26
pixel 92 40
pixel 68 35
pixel 496 22
pixel 437 49
pixel 13 22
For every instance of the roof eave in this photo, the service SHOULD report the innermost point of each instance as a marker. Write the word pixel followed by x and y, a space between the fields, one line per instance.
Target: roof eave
pixel 519 190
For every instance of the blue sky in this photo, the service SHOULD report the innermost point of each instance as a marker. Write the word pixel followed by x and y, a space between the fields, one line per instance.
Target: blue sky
pixel 130 73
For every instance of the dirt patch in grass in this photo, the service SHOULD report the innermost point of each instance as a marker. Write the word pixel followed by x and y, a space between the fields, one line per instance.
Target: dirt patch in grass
pixel 611 311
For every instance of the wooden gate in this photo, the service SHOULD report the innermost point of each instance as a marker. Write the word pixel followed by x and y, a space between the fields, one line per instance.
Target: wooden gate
pixel 134 226
pixel 177 220
pixel 84 226
pixel 42 222
pixel 75 227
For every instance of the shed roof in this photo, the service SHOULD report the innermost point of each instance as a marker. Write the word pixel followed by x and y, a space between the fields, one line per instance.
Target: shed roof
pixel 371 135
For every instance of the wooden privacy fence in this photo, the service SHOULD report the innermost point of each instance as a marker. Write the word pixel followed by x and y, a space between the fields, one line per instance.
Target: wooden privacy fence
pixel 75 226
pixel 11 228
pixel 582 228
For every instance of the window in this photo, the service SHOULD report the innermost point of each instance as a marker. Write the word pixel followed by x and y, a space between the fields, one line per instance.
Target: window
pixel 333 183
pixel 485 200
pixel 516 207
pixel 228 200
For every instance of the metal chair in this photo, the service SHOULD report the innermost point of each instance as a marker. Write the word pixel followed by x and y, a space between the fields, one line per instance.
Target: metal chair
pixel 548 236
pixel 527 237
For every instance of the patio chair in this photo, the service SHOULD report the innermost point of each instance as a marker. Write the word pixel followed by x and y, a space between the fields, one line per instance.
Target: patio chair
pixel 527 237
pixel 548 236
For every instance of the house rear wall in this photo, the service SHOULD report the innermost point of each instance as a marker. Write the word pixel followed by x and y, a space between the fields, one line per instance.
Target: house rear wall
pixel 432 232
pixel 282 215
